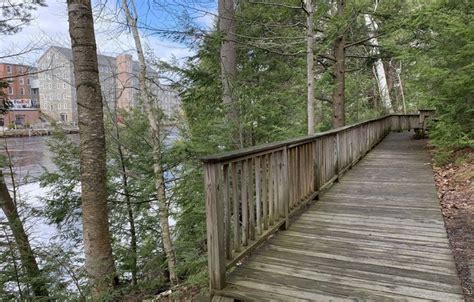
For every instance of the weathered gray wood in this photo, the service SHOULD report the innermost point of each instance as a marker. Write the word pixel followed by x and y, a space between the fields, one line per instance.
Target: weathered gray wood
pixel 251 200
pixel 281 186
pixel 215 228
pixel 245 205
pixel 227 156
pixel 337 155
pixel 254 244
pixel 216 298
pixel 236 210
pixel 271 188
pixel 372 236
pixel 258 195
pixel 227 215
pixel 277 180
pixel 286 191
pixel 265 187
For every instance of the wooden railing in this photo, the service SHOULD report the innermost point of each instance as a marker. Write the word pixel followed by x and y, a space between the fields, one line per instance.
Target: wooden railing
pixel 251 193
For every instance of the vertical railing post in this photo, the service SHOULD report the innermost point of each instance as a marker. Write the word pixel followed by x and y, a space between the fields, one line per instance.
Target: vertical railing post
pixel 351 154
pixel 337 152
pixel 286 189
pixel 227 212
pixel 215 227
pixel 317 168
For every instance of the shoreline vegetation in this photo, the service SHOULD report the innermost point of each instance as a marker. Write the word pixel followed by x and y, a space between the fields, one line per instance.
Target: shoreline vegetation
pixel 454 183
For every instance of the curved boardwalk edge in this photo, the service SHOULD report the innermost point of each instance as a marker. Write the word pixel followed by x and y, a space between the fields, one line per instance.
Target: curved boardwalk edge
pixel 376 235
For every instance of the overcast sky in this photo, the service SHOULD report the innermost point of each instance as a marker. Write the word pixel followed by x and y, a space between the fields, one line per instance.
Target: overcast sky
pixel 50 27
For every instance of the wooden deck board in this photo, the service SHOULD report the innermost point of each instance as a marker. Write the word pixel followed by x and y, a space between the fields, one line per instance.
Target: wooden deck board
pixel 377 235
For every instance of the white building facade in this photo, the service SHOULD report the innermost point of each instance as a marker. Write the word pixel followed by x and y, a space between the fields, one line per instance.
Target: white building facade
pixel 118 78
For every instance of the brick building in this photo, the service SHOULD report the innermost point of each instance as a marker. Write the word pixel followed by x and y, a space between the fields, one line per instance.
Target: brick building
pixel 22 92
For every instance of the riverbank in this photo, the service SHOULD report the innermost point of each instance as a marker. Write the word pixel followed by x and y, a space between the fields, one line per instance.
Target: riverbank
pixel 33 132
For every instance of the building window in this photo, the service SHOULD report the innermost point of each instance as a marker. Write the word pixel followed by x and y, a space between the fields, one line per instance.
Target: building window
pixel 58 85
pixel 19 119
pixel 64 85
pixel 63 117
pixel 10 90
pixel 21 69
pixel 28 81
pixel 50 85
pixel 22 91
pixel 22 81
pixel 9 69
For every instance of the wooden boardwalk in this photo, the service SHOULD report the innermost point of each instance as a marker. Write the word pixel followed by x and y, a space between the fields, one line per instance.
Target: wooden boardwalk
pixel 376 235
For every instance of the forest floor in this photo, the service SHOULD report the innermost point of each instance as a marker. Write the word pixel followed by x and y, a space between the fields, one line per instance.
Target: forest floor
pixel 455 184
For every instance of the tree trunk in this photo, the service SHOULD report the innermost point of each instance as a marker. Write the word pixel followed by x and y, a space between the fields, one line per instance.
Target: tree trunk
pixel 97 241
pixel 310 64
pixel 154 119
pixel 399 71
pixel 27 258
pixel 228 61
pixel 379 68
pixel 338 95
pixel 16 268
pixel 131 218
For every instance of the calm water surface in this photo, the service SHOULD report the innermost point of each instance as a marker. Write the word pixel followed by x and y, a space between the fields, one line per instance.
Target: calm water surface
pixel 31 156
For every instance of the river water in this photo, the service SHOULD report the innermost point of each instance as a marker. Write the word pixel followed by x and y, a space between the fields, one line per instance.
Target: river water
pixel 30 157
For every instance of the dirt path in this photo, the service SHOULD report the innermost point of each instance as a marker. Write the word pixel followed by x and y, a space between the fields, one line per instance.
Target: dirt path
pixel 455 183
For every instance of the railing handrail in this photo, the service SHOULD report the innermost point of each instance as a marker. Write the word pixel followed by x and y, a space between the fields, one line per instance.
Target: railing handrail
pixel 229 155
pixel 251 193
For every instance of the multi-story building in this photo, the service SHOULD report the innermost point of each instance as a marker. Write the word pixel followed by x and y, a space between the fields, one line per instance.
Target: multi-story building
pixel 56 83
pixel 169 100
pixel 118 77
pixel 22 94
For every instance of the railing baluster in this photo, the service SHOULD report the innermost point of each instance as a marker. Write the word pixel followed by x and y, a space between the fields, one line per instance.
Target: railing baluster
pixel 281 186
pixel 270 188
pixel 251 187
pixel 276 196
pixel 276 188
pixel 265 187
pixel 337 155
pixel 253 192
pixel 245 206
pixel 236 202
pixel 226 197
pixel 286 191
pixel 258 194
